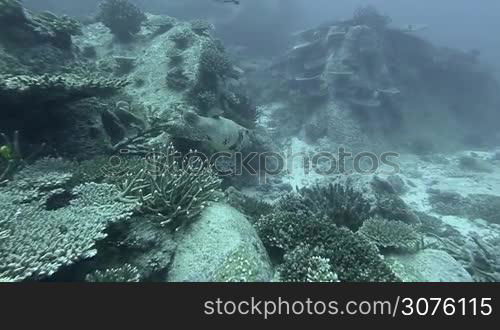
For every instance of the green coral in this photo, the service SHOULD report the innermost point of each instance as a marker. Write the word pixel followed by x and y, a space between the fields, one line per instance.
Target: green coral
pixel 390 234
pixel 125 273
pixel 122 17
pixel 42 239
pixel 171 187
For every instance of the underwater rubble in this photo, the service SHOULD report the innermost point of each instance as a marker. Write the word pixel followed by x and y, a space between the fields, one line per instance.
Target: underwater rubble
pixel 97 119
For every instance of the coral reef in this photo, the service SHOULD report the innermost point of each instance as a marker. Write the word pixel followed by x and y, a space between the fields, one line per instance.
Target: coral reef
pixel 35 90
pixel 42 239
pixel 122 17
pixel 11 156
pixel 306 264
pixel 174 188
pixel 391 235
pixel 126 273
pixel 21 25
pixel 352 257
pixel 342 205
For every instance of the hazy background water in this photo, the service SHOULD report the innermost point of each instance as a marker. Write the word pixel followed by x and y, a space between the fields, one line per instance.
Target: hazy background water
pixel 263 25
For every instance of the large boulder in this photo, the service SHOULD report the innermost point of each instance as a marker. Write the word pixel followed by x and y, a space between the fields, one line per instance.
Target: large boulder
pixel 428 265
pixel 221 246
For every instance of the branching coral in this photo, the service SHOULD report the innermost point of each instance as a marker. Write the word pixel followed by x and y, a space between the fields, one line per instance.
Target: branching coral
pixel 352 257
pixel 122 17
pixel 394 235
pixel 125 273
pixel 172 187
pixel 341 205
pixel 41 239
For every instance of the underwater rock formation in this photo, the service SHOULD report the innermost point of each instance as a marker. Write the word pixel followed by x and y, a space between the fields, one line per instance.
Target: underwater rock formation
pixel 221 247
pixel 21 26
pixel 389 79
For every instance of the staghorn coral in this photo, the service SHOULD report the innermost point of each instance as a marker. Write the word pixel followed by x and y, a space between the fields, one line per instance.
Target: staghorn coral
pixel 342 205
pixel 42 239
pixel 174 188
pixel 391 235
pixel 125 273
pixel 122 17
pixel 306 264
pixel 35 90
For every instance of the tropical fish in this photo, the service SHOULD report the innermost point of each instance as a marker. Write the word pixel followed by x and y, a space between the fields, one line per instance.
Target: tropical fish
pixel 6 152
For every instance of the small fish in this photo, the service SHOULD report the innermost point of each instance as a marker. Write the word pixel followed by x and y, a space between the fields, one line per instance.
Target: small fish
pixel 6 152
